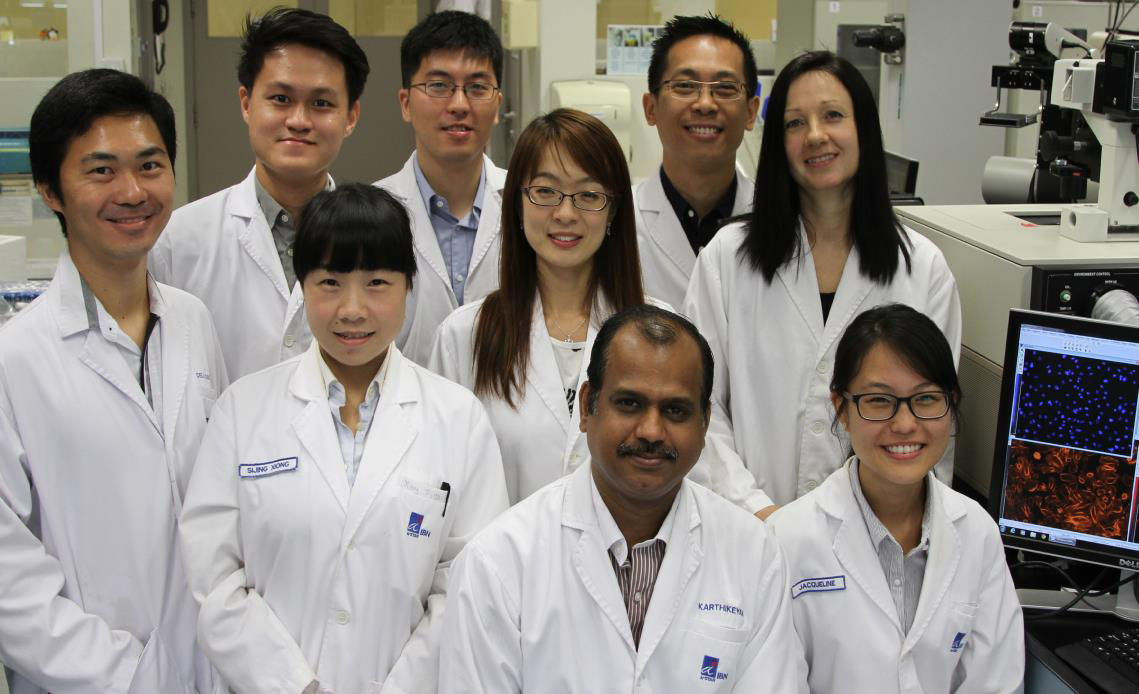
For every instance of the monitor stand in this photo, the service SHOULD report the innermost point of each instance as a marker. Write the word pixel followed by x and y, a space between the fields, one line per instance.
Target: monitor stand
pixel 1123 605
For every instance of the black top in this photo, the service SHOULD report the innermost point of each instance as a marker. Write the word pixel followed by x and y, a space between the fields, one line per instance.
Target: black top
pixel 699 231
pixel 828 300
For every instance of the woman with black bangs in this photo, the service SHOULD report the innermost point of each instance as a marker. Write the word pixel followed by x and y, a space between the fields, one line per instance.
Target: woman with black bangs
pixel 773 294
pixel 569 261
pixel 331 491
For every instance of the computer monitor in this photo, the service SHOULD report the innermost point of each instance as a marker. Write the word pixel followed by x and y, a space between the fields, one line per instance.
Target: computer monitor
pixel 901 175
pixel 1064 479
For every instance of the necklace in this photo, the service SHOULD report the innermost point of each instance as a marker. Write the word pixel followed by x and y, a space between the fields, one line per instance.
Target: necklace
pixel 569 333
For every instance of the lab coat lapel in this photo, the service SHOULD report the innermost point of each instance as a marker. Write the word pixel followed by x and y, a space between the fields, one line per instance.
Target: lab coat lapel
pixel 255 237
pixel 851 542
pixel 682 558
pixel 802 284
pixel 853 289
pixel 175 368
pixel 394 427
pixel 942 564
pixel 591 558
pixel 489 218
pixel 545 377
pixel 422 232
pixel 663 227
pixel 314 426
pixel 74 317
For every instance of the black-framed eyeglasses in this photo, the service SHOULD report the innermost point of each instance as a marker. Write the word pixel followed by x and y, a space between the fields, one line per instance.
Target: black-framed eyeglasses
pixel 687 90
pixel 878 407
pixel 444 89
pixel 589 200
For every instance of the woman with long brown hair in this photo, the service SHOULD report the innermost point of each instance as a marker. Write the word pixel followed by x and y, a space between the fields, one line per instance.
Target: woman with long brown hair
pixel 569 261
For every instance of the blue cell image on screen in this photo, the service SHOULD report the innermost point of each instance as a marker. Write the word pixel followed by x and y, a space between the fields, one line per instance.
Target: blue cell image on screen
pixel 1077 402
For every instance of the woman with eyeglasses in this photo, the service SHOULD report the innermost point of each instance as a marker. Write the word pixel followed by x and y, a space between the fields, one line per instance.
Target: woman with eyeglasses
pixel 569 261
pixel 773 294
pixel 883 554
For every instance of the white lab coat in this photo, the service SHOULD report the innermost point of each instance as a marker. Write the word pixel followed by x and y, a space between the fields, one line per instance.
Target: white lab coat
pixel 93 597
pixel 541 440
pixel 535 605
pixel 774 358
pixel 666 256
pixel 431 298
pixel 968 632
pixel 221 250
pixel 300 576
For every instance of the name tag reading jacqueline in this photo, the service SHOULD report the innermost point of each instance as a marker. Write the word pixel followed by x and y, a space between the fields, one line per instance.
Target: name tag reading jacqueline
pixel 818 585
pixel 271 467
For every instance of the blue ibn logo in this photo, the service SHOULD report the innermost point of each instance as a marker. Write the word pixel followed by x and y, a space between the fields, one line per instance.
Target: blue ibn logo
pixel 958 642
pixel 415 526
pixel 709 671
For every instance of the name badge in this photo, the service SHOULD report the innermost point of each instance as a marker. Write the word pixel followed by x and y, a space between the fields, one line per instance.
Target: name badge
pixel 271 467
pixel 818 585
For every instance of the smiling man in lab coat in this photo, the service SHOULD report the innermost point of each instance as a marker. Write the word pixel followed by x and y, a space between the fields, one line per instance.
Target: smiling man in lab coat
pixel 701 98
pixel 451 65
pixel 301 76
pixel 624 574
pixel 106 382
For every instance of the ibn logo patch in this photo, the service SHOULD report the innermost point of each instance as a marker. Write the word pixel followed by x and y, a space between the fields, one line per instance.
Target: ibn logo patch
pixel 710 670
pixel 415 526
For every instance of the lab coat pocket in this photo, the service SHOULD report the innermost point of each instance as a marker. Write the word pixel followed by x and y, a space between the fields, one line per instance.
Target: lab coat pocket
pixel 157 671
pixel 709 656
pixel 960 627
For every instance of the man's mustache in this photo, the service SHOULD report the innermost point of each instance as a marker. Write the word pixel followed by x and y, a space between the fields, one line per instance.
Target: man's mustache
pixel 654 449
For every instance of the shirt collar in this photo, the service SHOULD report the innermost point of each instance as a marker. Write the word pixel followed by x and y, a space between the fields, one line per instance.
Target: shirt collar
pixel 878 531
pixel 611 535
pixel 334 389
pixel 269 206
pixel 680 206
pixel 101 321
pixel 429 196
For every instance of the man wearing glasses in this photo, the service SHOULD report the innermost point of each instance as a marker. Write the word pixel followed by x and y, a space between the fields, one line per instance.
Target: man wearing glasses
pixel 701 98
pixel 451 64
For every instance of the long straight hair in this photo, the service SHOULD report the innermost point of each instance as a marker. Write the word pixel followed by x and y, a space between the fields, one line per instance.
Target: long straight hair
pixel 502 330
pixel 772 237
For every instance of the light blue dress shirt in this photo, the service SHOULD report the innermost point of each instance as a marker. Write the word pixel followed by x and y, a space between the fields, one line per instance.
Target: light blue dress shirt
pixel 456 237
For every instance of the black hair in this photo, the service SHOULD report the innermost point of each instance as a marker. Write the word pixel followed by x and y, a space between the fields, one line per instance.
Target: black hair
pixel 283 25
pixel 656 325
pixel 450 30
pixel 911 335
pixel 354 227
pixel 69 109
pixel 772 237
pixel 679 28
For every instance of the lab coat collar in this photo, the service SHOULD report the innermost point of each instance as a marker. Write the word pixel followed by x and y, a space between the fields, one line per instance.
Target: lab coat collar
pixel 854 550
pixel 798 275
pixel 71 307
pixel 591 561
pixel 256 237
pixel 391 433
pixel 405 187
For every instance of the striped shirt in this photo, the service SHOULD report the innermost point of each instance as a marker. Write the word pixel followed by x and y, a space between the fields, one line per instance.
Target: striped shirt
pixel 904 574
pixel 636 571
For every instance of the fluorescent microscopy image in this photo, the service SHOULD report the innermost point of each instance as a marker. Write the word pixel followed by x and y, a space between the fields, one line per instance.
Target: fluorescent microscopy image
pixel 1077 402
pixel 1069 490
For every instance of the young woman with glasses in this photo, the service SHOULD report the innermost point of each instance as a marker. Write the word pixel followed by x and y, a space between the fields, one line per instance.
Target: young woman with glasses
pixel 569 261
pixel 882 554
pixel 773 293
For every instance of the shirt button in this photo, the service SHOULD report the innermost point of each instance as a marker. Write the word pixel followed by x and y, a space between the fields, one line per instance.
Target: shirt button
pixel 341 617
pixel 821 369
pixel 289 252
pixel 691 213
pixel 810 485
pixel 290 340
pixel 459 278
pixel 438 203
pixel 285 217
pixel 817 428
pixel 897 581
pixel 637 596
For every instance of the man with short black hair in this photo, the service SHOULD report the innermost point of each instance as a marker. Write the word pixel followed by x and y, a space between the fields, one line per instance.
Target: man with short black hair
pixel 106 382
pixel 301 76
pixel 624 575
pixel 702 83
pixel 451 64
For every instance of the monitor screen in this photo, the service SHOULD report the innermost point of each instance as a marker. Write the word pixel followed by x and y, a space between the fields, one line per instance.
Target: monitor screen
pixel 1064 473
pixel 901 174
